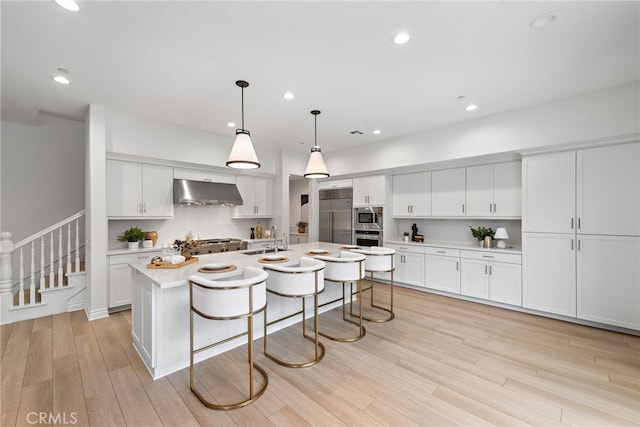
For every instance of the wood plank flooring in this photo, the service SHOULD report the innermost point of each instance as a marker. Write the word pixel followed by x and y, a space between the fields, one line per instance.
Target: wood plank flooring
pixel 441 361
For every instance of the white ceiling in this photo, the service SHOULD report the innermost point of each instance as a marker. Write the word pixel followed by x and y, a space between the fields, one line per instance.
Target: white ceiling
pixel 177 62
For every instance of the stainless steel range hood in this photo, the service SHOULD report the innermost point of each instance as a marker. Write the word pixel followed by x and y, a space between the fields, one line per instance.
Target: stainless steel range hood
pixel 188 192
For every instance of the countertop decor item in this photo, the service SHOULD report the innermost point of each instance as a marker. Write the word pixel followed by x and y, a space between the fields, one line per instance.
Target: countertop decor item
pixel 259 231
pixel 405 236
pixel 302 226
pixel 483 234
pixel 243 155
pixel 501 235
pixel 166 265
pixel 133 236
pixel 316 168
pixel 153 236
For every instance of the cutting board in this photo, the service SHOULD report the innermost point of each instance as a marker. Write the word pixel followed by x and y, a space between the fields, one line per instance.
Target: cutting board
pixel 170 266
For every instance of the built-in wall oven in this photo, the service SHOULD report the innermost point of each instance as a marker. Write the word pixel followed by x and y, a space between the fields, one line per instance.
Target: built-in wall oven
pixel 367 226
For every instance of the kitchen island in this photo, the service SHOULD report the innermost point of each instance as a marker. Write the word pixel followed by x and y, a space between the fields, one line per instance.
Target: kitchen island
pixel 160 309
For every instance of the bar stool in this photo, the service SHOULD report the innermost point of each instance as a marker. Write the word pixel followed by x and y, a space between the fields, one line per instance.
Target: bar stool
pixel 302 280
pixel 347 267
pixel 378 260
pixel 232 297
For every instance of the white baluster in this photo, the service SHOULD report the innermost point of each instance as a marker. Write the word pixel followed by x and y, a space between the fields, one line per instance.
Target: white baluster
pixel 52 264
pixel 60 258
pixel 6 272
pixel 21 291
pixel 68 248
pixel 32 282
pixel 42 282
pixel 77 246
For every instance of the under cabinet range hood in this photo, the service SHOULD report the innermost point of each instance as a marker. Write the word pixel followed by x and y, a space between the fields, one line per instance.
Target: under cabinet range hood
pixel 188 192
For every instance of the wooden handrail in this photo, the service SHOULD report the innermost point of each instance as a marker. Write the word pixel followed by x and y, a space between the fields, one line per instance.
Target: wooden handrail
pixel 48 229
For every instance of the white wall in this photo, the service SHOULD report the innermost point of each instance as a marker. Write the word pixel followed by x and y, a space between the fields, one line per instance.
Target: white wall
pixel 598 115
pixel 42 169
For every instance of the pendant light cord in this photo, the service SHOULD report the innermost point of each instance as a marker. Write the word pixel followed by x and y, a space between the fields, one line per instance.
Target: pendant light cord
pixel 242 98
pixel 315 130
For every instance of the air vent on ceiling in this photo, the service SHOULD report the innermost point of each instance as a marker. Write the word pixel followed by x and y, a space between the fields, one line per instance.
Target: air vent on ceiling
pixel 355 132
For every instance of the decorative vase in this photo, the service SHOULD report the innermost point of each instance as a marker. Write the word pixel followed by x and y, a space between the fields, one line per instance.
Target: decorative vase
pixel 486 243
pixel 133 245
pixel 301 230
pixel 405 238
pixel 153 236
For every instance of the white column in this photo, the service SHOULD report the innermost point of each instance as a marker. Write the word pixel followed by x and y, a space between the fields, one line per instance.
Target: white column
pixel 21 291
pixel 77 246
pixel 6 273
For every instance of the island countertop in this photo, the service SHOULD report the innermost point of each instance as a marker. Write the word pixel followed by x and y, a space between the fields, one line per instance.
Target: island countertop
pixel 168 278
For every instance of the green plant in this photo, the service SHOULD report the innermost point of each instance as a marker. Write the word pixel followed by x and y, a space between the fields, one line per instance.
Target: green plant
pixel 133 234
pixel 301 224
pixel 481 232
pixel 406 233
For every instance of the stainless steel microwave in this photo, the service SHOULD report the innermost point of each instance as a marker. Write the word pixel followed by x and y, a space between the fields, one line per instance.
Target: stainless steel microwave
pixel 366 218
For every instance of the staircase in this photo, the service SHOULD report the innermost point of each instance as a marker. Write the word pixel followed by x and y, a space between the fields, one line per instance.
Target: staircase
pixel 50 277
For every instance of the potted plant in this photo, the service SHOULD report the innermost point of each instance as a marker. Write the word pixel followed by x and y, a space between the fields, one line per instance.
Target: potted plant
pixel 405 236
pixel 132 235
pixel 302 226
pixel 484 235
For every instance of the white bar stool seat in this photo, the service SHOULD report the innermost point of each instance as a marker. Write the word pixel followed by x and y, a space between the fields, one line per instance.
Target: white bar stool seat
pixel 231 297
pixel 379 260
pixel 347 267
pixel 301 280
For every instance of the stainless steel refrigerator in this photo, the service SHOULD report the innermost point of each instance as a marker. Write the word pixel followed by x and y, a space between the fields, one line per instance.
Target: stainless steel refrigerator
pixel 336 214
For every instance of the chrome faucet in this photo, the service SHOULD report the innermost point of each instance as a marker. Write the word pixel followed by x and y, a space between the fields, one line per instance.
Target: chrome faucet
pixel 285 243
pixel 274 234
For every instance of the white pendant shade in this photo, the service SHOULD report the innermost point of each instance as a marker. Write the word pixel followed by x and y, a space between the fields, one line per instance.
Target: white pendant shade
pixel 242 155
pixel 501 233
pixel 316 167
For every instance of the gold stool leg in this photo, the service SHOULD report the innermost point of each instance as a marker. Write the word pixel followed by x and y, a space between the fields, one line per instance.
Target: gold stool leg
pixel 391 315
pixel 361 328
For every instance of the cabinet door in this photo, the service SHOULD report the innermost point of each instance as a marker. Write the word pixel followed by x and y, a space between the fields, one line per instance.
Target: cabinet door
pixel 247 188
pixel 479 190
pixel 609 190
pixel 505 283
pixel 157 191
pixel 377 190
pixel 402 195
pixel 609 280
pixel 549 273
pixel 414 268
pixel 448 192
pixel 124 189
pixel 360 191
pixel 442 273
pixel 421 194
pixel 119 285
pixel 474 278
pixel 507 189
pixel 548 199
pixel 264 196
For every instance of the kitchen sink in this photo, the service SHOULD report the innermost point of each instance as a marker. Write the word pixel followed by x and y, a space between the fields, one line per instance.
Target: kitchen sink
pixel 264 251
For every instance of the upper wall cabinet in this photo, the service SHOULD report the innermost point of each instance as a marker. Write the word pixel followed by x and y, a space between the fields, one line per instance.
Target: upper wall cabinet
pixel 494 190
pixel 591 191
pixel 448 192
pixel 341 183
pixel 136 190
pixel 257 195
pixel 369 191
pixel 412 195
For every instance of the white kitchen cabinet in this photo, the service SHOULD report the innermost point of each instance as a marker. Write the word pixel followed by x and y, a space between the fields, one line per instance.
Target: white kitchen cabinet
pixel 369 191
pixel 120 277
pixel 409 263
pixel 339 183
pixel 609 280
pixel 494 190
pixel 549 273
pixel 296 239
pixel 442 269
pixel 204 176
pixel 137 190
pixel 257 197
pixel 412 195
pixel 608 190
pixel 448 192
pixel 548 199
pixel 495 277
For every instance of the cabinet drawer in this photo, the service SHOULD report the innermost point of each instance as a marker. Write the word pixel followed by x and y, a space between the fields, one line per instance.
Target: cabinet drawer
pixel 406 248
pixel 129 258
pixel 498 257
pixel 442 251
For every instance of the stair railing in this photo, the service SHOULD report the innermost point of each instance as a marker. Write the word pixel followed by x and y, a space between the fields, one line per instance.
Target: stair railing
pixel 38 270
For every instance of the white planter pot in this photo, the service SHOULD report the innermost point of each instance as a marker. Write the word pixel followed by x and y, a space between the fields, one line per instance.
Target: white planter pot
pixel 133 245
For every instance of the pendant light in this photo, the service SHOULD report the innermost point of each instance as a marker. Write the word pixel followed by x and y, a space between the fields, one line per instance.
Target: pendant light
pixel 242 155
pixel 316 167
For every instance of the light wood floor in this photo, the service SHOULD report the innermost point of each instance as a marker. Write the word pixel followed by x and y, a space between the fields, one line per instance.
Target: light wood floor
pixel 440 362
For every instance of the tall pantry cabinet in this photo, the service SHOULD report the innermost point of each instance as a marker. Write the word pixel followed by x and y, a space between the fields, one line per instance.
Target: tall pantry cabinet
pixel 581 234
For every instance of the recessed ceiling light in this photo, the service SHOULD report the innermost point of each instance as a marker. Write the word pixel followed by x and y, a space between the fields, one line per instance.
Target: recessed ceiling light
pixel 69 5
pixel 288 95
pixel 61 79
pixel 231 125
pixel 400 38
pixel 377 132
pixel 471 107
pixel 543 21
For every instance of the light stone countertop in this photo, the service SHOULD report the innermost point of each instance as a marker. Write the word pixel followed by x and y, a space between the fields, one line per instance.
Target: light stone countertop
pixel 458 245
